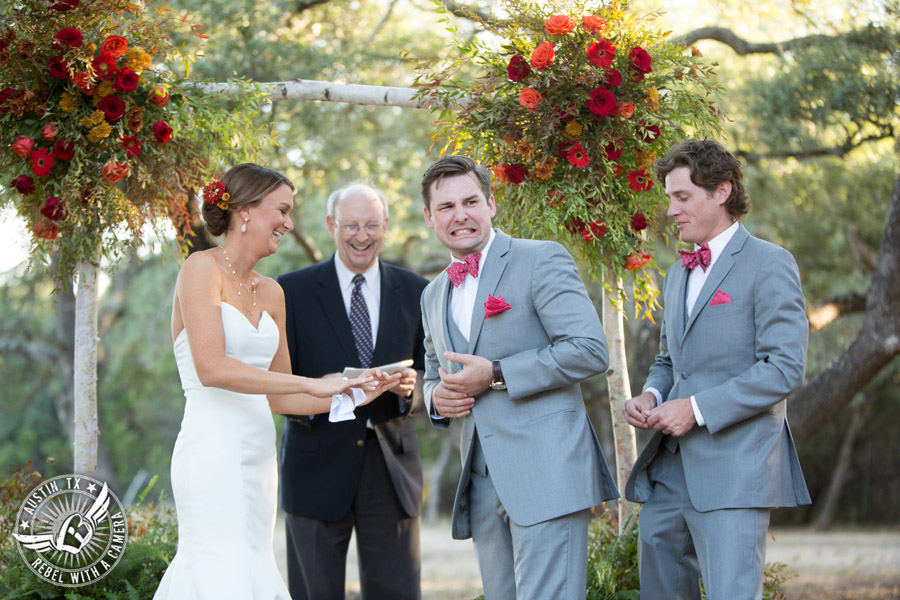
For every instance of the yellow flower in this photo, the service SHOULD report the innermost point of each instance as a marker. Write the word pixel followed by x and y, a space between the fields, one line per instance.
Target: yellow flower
pixel 96 118
pixel 92 48
pixel 104 89
pixel 67 103
pixel 100 132
pixel 137 59
pixel 525 149
pixel 644 160
pixel 653 98
pixel 544 171
pixel 573 130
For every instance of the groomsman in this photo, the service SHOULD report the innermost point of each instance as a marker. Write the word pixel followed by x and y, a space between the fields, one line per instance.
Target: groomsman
pixel 363 474
pixel 732 347
pixel 510 333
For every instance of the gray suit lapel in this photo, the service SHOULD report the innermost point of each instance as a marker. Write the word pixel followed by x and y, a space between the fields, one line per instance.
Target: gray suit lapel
pixel 442 307
pixel 488 279
pixel 723 265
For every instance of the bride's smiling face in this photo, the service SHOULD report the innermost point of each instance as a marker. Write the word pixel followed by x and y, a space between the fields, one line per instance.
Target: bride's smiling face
pixel 271 218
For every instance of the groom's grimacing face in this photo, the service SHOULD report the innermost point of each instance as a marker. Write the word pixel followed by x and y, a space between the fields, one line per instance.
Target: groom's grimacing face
pixel 460 214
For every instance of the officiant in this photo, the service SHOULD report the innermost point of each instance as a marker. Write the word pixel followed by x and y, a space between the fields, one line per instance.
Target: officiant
pixel 354 310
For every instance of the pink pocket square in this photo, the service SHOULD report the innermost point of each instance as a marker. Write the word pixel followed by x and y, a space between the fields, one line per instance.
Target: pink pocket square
pixel 720 298
pixel 495 306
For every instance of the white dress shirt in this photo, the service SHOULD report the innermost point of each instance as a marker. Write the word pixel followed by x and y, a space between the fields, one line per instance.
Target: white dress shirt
pixel 696 278
pixel 462 298
pixel 371 291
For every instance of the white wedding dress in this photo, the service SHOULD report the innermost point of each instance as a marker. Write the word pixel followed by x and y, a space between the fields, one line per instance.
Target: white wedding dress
pixel 225 478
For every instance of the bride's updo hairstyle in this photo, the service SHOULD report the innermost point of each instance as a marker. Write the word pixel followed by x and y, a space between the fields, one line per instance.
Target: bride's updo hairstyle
pixel 245 184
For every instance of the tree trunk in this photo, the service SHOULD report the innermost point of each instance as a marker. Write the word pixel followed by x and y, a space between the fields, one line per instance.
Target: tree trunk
pixel 619 389
pixel 874 347
pixel 85 371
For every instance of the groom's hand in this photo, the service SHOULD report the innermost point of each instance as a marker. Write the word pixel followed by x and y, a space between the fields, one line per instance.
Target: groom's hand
pixel 675 417
pixel 451 404
pixel 474 377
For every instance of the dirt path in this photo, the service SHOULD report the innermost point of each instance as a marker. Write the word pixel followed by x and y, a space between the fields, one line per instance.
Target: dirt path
pixel 838 565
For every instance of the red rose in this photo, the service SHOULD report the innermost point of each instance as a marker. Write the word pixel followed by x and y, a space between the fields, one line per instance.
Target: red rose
pixel 626 110
pixel 23 184
pixel 53 209
pixel 543 56
pixel 613 78
pixel 64 150
pixel 578 156
pixel 113 107
pixel 58 67
pixel 41 162
pixel 126 80
pixel 648 133
pixel 602 103
pixel 530 98
pixel 612 150
pixel 559 25
pixel 517 68
pixel 593 24
pixel 46 230
pixel 515 173
pixel 575 225
pixel 162 131
pixel 115 45
pixel 105 65
pixel 160 97
pixel 593 231
pixel 64 4
pixel 23 146
pixel 68 37
pixel 639 180
pixel 83 82
pixel 601 54
pixel 131 145
pixel 115 171
pixel 50 132
pixel 640 62
pixel 638 222
pixel 633 262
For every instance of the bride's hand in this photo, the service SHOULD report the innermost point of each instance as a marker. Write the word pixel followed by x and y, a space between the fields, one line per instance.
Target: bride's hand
pixel 328 386
pixel 378 384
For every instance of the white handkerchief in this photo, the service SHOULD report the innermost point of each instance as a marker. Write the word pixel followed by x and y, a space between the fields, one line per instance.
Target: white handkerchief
pixel 342 406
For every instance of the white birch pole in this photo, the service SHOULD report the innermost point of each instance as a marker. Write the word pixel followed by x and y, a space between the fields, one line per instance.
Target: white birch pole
pixel 619 389
pixel 85 371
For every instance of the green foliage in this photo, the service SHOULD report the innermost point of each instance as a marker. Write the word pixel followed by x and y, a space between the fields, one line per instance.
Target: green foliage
pixel 153 538
pixel 612 559
pixel 572 132
pixel 106 138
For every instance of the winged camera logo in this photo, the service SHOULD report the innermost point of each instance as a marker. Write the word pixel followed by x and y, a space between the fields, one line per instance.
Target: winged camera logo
pixel 71 530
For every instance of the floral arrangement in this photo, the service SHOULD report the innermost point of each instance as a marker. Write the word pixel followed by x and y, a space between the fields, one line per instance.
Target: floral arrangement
pixel 570 106
pixel 99 134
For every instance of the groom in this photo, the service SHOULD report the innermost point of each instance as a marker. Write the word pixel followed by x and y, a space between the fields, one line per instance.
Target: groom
pixel 510 332
pixel 733 345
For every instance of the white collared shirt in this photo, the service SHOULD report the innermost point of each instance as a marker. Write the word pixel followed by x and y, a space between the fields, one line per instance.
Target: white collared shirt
pixel 462 298
pixel 371 291
pixel 696 278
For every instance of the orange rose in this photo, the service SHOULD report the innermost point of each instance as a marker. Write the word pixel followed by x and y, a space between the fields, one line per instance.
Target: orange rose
pixel 559 25
pixel 115 45
pixel 633 262
pixel 593 24
pixel 115 171
pixel 625 109
pixel 530 98
pixel 543 56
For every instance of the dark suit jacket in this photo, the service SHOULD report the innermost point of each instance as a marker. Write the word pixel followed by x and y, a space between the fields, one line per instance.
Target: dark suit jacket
pixel 320 461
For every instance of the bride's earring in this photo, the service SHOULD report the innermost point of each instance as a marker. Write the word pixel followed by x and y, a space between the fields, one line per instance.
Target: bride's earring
pixel 244 226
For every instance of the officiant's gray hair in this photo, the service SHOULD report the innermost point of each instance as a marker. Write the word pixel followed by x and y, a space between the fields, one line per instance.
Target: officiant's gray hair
pixel 352 188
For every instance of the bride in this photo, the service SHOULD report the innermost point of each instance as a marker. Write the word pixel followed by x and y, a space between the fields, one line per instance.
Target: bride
pixel 232 355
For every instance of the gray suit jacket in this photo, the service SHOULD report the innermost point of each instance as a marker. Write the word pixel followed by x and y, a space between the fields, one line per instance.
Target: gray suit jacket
pixel 543 455
pixel 740 359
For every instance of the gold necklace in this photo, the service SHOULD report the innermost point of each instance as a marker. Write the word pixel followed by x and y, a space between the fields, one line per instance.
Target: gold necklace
pixel 241 285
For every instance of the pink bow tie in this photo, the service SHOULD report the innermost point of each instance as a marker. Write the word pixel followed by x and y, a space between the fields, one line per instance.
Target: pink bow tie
pixel 459 270
pixel 700 257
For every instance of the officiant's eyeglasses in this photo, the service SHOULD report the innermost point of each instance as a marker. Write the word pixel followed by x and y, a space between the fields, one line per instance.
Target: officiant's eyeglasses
pixel 353 228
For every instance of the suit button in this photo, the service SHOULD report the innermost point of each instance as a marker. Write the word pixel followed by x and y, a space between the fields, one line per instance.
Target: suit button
pixel 684 375
pixel 360 443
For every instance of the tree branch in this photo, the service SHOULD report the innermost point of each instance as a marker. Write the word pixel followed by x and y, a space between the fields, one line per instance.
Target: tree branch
pixel 307 243
pixel 822 314
pixel 742 46
pixel 838 151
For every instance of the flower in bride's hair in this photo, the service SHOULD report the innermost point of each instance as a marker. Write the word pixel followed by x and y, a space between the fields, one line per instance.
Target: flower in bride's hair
pixel 214 193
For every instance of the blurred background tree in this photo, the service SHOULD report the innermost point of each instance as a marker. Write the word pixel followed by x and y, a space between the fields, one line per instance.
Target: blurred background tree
pixel 800 113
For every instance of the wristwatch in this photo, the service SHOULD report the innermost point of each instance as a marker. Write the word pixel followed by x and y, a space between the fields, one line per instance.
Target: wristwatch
pixel 498 382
